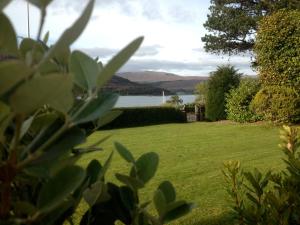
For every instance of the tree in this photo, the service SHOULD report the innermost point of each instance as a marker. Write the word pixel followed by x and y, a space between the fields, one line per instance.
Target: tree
pixel 277 49
pixel 175 100
pixel 232 24
pixel 238 101
pixel 201 92
pixel 219 84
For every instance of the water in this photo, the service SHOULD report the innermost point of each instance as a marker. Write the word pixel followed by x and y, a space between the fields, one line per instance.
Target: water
pixel 140 101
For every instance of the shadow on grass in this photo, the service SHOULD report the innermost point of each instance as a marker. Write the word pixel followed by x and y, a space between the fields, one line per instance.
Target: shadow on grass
pixel 223 219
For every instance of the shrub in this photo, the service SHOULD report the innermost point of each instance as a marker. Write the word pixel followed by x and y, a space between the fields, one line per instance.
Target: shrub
pixel 141 116
pixel 175 100
pixel 270 198
pixel 277 103
pixel 41 141
pixel 277 49
pixel 238 101
pixel 219 84
pixel 201 90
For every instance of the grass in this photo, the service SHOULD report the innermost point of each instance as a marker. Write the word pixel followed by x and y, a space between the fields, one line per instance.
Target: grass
pixel 191 157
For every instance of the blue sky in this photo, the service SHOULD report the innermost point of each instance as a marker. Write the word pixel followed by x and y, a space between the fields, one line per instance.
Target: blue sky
pixel 172 30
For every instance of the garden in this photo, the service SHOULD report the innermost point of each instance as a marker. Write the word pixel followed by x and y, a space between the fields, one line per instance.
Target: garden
pixel 57 165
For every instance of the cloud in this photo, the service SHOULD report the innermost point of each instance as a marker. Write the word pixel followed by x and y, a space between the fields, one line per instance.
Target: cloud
pixel 182 15
pixel 144 51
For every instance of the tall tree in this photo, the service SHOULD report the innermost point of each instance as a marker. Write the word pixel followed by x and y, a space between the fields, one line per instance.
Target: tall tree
pixel 232 24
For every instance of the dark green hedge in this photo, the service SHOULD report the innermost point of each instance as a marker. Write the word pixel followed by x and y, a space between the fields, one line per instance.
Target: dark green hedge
pixel 141 116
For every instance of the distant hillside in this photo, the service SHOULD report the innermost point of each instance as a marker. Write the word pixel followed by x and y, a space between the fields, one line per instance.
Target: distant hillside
pixel 125 87
pixel 178 86
pixel 151 76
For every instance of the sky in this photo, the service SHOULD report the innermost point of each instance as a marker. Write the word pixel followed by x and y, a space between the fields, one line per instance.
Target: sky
pixel 172 31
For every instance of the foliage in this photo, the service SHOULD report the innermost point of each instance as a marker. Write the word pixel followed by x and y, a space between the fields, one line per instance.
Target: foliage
pixel 278 49
pixel 175 100
pixel 232 24
pixel 141 116
pixel 219 84
pixel 189 108
pixel 271 198
pixel 201 92
pixel 191 155
pixel 41 141
pixel 238 101
pixel 278 104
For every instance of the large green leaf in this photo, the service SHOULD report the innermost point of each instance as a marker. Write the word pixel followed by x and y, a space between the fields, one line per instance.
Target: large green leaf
pixel 40 3
pixel 4 3
pixel 118 61
pixel 72 33
pixel 108 117
pixel 168 190
pixel 58 188
pixel 85 70
pixel 176 210
pixel 92 194
pixel 54 90
pixel 11 73
pixel 130 181
pixel 124 152
pixel 146 166
pixel 97 108
pixel 93 171
pixel 62 146
pixel 5 118
pixel 8 38
pixel 160 202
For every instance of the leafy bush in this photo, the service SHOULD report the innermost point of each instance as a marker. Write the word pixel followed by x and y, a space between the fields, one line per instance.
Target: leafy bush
pixel 277 103
pixel 201 90
pixel 41 108
pixel 175 100
pixel 238 101
pixel 271 198
pixel 219 84
pixel 277 49
pixel 141 116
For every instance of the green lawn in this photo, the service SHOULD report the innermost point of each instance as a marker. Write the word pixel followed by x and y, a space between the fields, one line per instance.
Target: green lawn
pixel 191 156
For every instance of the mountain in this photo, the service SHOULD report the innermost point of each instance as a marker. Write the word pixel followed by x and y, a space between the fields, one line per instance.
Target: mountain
pixel 151 76
pixel 126 87
pixel 178 86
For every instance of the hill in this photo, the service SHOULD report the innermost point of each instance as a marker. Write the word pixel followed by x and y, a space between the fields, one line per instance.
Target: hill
pixel 126 87
pixel 151 76
pixel 178 86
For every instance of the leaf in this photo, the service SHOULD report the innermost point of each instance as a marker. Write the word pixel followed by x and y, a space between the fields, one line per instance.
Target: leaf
pixel 85 70
pixel 4 3
pixel 8 37
pixel 62 146
pixel 11 73
pixel 106 166
pixel 93 170
pixel 127 197
pixel 124 153
pixel 146 166
pixel 58 188
pixel 25 126
pixel 168 190
pixel 92 194
pixel 5 118
pixel 130 181
pixel 160 202
pixel 40 3
pixel 118 61
pixel 176 210
pixel 54 90
pixel 96 108
pixel 71 34
pixel 46 37
pixel 108 117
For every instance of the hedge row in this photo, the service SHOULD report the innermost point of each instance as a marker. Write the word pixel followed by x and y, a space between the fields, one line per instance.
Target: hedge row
pixel 141 116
